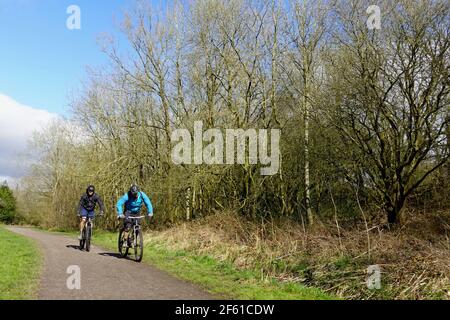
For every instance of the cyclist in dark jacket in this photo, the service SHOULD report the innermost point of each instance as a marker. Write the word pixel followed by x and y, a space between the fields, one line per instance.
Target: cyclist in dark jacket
pixel 87 205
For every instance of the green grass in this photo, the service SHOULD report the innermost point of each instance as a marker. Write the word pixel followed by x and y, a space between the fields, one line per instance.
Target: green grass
pixel 220 278
pixel 19 266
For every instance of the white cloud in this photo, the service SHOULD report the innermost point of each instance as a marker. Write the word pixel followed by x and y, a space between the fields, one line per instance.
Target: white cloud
pixel 17 123
pixel 12 182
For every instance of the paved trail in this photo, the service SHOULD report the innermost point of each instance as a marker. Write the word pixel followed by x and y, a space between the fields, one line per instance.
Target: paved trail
pixel 103 274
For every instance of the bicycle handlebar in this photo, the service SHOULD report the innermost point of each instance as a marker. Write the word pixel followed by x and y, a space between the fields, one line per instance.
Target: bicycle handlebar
pixel 130 217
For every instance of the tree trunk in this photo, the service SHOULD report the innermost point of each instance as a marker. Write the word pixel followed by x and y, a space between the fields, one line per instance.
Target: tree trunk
pixel 307 179
pixel 306 75
pixel 392 216
pixel 393 212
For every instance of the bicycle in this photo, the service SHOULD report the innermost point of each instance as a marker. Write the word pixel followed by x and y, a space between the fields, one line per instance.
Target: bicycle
pixel 86 234
pixel 135 239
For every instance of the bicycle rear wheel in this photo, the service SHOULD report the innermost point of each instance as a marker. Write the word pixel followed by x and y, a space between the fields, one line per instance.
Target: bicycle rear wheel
pixel 123 251
pixel 138 246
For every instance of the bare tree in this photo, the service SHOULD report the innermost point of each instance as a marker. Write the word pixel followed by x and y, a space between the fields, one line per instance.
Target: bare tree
pixel 308 35
pixel 392 91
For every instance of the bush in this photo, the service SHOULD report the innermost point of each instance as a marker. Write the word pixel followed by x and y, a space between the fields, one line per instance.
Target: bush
pixel 7 204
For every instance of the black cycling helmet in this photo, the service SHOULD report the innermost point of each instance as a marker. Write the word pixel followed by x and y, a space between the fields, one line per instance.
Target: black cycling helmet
pixel 134 191
pixel 90 188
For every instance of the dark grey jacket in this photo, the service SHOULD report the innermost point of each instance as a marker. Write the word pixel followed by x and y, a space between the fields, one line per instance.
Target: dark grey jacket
pixel 89 203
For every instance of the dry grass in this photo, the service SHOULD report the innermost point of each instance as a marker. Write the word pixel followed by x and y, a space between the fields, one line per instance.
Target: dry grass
pixel 415 259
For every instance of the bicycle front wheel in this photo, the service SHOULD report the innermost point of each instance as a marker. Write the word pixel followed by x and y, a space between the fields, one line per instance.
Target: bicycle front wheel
pixel 123 251
pixel 88 238
pixel 138 246
pixel 83 239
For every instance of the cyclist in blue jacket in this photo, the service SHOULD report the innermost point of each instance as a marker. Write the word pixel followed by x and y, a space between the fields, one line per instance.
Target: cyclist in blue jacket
pixel 132 201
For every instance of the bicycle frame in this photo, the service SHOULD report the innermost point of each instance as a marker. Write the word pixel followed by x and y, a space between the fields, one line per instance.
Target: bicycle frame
pixel 89 222
pixel 135 235
pixel 136 225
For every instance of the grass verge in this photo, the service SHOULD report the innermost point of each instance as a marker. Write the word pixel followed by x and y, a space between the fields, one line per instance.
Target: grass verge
pixel 19 266
pixel 220 278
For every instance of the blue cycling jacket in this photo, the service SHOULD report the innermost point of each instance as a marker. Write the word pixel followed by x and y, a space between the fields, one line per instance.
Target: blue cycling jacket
pixel 134 205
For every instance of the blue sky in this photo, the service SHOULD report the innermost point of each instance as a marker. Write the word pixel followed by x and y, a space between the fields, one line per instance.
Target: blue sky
pixel 41 61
